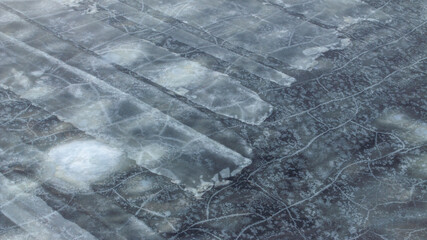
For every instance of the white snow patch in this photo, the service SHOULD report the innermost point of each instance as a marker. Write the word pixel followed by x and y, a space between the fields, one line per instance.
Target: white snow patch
pixel 83 162
pixel 183 74
pixel 124 54
pixel 411 129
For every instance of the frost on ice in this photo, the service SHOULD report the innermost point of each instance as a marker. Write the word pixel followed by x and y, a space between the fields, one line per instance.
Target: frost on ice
pixel 83 162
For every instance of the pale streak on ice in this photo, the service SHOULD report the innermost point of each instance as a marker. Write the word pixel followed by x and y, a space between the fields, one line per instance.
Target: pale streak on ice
pixel 136 131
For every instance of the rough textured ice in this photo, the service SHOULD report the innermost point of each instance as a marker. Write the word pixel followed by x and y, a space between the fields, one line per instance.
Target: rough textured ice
pixel 125 122
pixel 189 79
pixel 148 60
pixel 213 119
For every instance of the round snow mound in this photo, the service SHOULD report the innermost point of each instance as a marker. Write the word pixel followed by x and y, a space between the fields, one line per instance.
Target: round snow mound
pixel 83 162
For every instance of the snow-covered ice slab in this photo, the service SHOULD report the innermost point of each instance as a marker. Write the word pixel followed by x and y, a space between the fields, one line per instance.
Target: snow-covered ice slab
pixel 147 22
pixel 256 27
pixel 185 113
pixel 193 81
pixel 151 138
pixel 84 161
pixel 213 90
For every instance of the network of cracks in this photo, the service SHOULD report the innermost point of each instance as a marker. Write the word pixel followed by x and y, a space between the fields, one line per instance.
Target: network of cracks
pixel 213 119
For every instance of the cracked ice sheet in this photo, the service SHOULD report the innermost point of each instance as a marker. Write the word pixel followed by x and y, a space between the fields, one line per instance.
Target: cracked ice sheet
pixel 90 211
pixel 337 13
pixel 146 21
pixel 149 137
pixel 33 215
pixel 194 81
pixel 62 50
pixel 213 90
pixel 256 27
pixel 95 213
